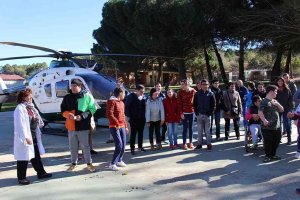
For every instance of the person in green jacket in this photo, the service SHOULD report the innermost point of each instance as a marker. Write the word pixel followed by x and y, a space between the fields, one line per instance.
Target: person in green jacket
pixel 78 108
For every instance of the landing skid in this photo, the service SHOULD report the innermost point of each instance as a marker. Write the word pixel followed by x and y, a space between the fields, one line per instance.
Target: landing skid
pixel 54 129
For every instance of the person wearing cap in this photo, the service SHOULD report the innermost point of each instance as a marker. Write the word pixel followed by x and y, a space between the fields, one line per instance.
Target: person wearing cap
pixel 78 108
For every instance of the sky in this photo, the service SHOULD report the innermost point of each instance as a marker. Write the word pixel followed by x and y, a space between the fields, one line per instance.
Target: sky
pixel 55 24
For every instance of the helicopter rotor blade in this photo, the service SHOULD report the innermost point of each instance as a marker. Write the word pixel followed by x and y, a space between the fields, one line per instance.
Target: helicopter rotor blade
pixel 124 55
pixel 24 57
pixel 34 47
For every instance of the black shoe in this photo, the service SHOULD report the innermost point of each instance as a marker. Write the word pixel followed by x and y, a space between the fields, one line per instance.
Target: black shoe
pixel 199 146
pixel 267 159
pixel 46 175
pixel 142 149
pixel 24 181
pixel 218 139
pixel 238 138
pixel 226 138
pixel 132 152
pixel 93 152
pixel 110 141
pixel 275 158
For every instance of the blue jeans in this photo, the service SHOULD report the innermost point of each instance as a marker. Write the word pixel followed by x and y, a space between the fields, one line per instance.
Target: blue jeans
pixel 172 133
pixel 298 140
pixel 245 122
pixel 255 129
pixel 217 117
pixel 286 124
pixel 188 124
pixel 119 136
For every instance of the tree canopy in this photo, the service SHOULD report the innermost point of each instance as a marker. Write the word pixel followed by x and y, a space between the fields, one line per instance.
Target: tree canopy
pixel 203 32
pixel 23 70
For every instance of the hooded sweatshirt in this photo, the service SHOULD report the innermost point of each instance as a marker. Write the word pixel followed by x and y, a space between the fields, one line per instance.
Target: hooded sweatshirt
pixel 79 104
pixel 155 110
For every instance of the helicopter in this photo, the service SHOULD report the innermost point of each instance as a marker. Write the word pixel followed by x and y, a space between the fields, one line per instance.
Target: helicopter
pixel 49 86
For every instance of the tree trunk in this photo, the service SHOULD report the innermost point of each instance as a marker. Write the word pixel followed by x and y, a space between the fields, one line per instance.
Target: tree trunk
pixel 160 70
pixel 223 74
pixel 288 61
pixel 181 69
pixel 208 67
pixel 276 70
pixel 241 59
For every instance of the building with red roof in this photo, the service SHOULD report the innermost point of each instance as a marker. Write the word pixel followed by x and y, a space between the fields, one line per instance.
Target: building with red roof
pixel 12 80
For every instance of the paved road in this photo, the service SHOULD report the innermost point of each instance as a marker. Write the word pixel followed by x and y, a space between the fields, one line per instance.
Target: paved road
pixel 226 173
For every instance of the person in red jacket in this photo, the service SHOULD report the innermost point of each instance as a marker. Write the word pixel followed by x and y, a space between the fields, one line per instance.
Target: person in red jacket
pixel 172 117
pixel 118 128
pixel 186 110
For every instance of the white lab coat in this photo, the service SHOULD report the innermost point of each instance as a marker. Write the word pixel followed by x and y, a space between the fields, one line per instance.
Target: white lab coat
pixel 23 151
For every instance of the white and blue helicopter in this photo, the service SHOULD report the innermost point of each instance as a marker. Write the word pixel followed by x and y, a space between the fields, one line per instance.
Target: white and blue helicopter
pixel 49 86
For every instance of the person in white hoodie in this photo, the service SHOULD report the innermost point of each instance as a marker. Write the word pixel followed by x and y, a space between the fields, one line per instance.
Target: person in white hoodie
pixel 27 138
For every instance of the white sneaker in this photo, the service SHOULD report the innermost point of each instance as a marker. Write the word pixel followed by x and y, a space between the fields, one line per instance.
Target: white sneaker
pixel 297 155
pixel 113 167
pixel 121 164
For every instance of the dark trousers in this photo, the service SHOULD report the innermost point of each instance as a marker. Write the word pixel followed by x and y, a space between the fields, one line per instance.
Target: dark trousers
pixel 217 117
pixel 119 135
pixel 271 141
pixel 137 127
pixel 236 127
pixel 164 129
pixel 154 126
pixel 188 125
pixel 36 164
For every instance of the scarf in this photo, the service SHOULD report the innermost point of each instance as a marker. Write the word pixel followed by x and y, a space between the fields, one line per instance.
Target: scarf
pixel 34 113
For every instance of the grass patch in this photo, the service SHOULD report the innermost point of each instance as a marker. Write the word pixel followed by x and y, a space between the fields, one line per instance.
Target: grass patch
pixel 8 107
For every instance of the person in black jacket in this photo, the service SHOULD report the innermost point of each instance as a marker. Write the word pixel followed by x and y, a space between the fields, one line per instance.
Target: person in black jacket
pixel 164 125
pixel 204 106
pixel 135 106
pixel 285 98
pixel 260 91
pixel 217 114
pixel 78 108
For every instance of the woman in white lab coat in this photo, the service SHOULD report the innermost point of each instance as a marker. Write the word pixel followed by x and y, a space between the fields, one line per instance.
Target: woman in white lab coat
pixel 27 138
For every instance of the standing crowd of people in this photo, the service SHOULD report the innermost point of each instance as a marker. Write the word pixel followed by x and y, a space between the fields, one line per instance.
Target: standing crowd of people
pixel 266 112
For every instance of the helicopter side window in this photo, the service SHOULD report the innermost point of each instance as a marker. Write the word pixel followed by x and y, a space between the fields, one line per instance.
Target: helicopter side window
pixel 62 88
pixel 48 91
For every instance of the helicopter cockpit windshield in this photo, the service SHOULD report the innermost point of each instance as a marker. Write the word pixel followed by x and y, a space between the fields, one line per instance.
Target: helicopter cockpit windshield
pixel 100 87
pixel 61 63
